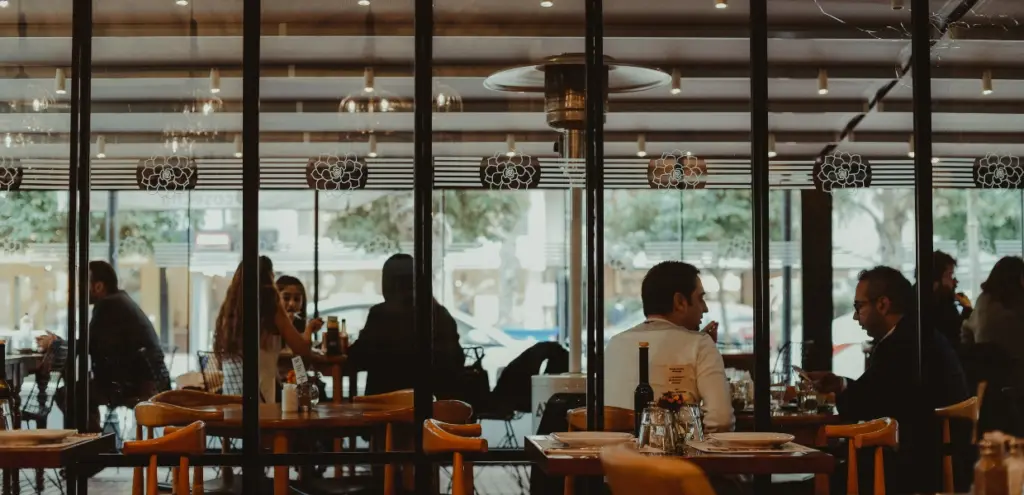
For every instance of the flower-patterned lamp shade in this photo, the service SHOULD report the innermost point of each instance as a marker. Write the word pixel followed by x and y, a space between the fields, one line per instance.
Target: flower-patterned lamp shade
pixel 995 171
pixel 677 170
pixel 841 170
pixel 11 174
pixel 514 172
pixel 167 174
pixel 329 172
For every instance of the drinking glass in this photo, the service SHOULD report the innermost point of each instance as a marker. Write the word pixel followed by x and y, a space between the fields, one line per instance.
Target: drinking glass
pixel 690 418
pixel 657 430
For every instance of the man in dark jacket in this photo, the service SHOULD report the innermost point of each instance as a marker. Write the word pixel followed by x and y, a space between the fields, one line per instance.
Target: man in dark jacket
pixel 882 306
pixel 386 347
pixel 948 319
pixel 127 361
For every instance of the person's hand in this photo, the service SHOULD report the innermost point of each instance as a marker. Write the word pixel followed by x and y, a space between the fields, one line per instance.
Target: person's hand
pixel 45 341
pixel 826 382
pixel 314 325
pixel 964 301
pixel 712 330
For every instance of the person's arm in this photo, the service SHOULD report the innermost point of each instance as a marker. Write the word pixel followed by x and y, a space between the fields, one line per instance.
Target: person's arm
pixel 298 342
pixel 714 388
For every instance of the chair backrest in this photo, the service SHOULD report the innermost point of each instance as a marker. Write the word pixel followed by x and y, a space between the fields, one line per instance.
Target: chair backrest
pixel 453 412
pixel 630 473
pixel 874 432
pixel 968 410
pixel 615 419
pixel 441 437
pixel 194 398
pixel 398 398
pixel 189 440
pixel 158 415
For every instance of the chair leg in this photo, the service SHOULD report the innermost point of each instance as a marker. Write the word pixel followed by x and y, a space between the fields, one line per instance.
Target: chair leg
pixel 389 469
pixel 182 484
pixel 197 480
pixel 151 485
pixel 458 475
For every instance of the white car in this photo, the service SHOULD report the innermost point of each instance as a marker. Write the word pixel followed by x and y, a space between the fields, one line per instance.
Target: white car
pixel 499 348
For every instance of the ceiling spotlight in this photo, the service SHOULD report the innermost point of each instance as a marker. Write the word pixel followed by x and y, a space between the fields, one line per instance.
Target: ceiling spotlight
pixel 373 146
pixel 721 4
pixel 822 82
pixel 935 160
pixel 910 149
pixel 364 3
pixel 771 146
pixel 215 81
pixel 182 3
pixel 511 141
pixel 4 4
pixel 368 80
pixel 897 4
pixel 986 82
pixel 641 145
pixel 60 83
pixel 238 145
pixel 101 147
pixel 676 82
pixel 547 4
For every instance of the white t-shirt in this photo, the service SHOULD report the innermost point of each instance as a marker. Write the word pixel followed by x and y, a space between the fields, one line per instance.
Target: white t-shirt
pixel 679 360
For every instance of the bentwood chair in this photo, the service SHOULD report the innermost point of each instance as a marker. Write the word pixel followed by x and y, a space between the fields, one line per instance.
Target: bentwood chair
pixel 186 441
pixel 441 437
pixel 630 473
pixel 616 419
pixel 968 410
pixel 879 433
pixel 152 415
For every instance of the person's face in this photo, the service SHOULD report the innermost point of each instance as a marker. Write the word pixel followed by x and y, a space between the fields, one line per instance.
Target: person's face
pixel 97 290
pixel 870 312
pixel 291 298
pixel 689 312
pixel 946 284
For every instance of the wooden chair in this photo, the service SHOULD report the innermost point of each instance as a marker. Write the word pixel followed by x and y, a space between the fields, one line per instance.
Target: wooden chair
pixel 194 398
pixel 630 473
pixel 398 397
pixel 152 415
pixel 968 410
pixel 190 440
pixel 615 419
pixel 876 433
pixel 441 437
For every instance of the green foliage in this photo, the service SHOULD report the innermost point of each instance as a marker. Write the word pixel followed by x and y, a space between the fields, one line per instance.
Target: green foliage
pixel 470 216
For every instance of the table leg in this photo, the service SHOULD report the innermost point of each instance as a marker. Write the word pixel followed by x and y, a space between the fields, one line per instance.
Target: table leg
pixel 280 472
pixel 821 484
pixel 7 481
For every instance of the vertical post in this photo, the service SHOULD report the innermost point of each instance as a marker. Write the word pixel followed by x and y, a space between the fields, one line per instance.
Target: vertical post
pixel 573 147
pixel 72 224
pixel 921 70
pixel 252 471
pixel 787 279
pixel 597 80
pixel 84 155
pixel 112 230
pixel 316 256
pixel 759 199
pixel 423 185
pixel 816 276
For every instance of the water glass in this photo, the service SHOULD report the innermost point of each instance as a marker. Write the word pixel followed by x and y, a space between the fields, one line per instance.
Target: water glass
pixel 690 419
pixel 658 430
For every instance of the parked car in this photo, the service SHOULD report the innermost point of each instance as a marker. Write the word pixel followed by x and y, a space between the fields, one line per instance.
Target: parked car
pixel 499 348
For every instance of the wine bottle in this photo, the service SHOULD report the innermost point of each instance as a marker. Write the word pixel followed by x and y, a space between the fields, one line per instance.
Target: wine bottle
pixel 643 394
pixel 333 338
pixel 344 337
pixel 6 393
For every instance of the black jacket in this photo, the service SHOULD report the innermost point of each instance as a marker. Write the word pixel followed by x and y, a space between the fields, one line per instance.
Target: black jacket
pixel 886 390
pixel 387 349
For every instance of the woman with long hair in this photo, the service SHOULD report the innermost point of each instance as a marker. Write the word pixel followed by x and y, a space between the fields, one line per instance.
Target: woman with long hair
pixel 274 327
pixel 999 311
pixel 293 298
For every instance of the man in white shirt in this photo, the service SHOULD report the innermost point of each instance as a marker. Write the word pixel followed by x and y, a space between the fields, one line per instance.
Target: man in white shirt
pixel 681 357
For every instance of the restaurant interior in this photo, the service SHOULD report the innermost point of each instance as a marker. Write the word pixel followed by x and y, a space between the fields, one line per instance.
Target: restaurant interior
pixel 535 159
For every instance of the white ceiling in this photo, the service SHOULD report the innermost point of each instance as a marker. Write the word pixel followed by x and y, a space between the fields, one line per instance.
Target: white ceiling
pixel 146 66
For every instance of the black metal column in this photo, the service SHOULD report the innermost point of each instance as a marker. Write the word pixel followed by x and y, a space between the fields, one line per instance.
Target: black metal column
pixel 113 233
pixel 252 471
pixel 84 78
pixel 423 185
pixel 71 397
pixel 816 276
pixel 316 258
pixel 787 280
pixel 921 70
pixel 596 89
pixel 759 200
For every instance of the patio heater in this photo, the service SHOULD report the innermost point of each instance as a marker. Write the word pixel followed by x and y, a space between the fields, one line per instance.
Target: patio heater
pixel 562 81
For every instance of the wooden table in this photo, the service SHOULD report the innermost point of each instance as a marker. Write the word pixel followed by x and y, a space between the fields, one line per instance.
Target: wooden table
pixel 323 418
pixel 589 464
pixel 64 455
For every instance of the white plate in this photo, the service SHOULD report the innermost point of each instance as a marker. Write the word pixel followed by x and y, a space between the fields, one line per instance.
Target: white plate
pixel 750 439
pixel 577 439
pixel 9 438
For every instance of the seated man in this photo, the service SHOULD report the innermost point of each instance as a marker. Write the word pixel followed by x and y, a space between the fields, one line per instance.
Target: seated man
pixel 127 361
pixel 882 305
pixel 681 357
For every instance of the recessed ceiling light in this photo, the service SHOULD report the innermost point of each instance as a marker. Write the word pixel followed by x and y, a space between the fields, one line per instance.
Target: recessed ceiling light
pixel 547 4
pixel 183 3
pixel 364 3
pixel 721 4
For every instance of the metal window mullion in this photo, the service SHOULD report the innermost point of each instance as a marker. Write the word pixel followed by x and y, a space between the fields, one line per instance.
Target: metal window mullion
pixel 252 472
pixel 921 70
pixel 596 84
pixel 84 78
pixel 760 204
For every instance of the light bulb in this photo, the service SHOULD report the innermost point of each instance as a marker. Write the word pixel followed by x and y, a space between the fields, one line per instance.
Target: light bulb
pixel 364 3
pixel 721 4
pixel 547 4
pixel 935 160
pixel 676 82
pixel 182 3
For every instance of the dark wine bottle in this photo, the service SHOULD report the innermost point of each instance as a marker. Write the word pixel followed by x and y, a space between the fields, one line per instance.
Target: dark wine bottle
pixel 643 394
pixel 6 393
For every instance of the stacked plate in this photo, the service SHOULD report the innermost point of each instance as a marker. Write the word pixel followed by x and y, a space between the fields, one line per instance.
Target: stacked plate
pixel 25 438
pixel 750 440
